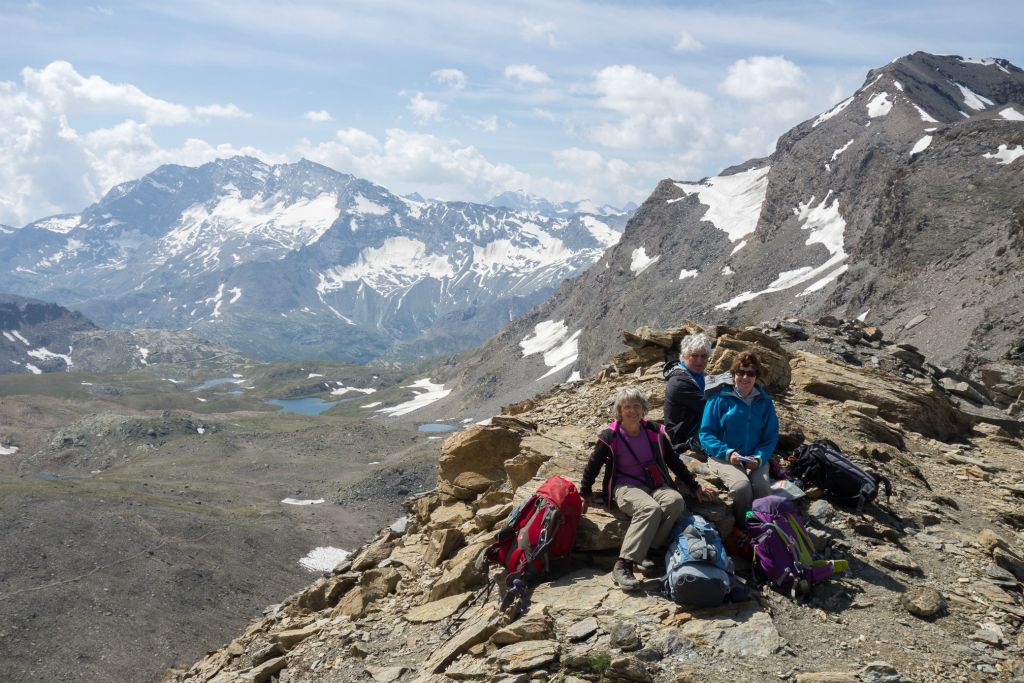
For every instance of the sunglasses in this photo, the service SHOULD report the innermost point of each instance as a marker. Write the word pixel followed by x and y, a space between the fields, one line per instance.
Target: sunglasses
pixel 745 373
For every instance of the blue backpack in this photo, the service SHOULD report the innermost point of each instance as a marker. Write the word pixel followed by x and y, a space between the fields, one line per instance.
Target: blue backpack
pixel 698 571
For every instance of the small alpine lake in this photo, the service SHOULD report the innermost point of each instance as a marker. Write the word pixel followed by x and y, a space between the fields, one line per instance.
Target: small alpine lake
pixel 310 405
pixel 436 427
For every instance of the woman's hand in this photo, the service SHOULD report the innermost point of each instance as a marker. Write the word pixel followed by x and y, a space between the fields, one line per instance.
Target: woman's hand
pixel 706 494
pixel 744 461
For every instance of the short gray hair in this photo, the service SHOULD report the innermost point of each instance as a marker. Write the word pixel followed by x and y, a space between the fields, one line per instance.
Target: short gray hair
pixel 629 395
pixel 694 342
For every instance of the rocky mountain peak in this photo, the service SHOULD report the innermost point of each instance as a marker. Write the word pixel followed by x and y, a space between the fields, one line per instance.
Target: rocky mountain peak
pixel 934 589
pixel 900 205
pixel 316 261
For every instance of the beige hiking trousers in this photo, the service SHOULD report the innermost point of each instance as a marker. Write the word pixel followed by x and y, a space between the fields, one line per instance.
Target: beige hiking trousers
pixel 652 516
pixel 744 486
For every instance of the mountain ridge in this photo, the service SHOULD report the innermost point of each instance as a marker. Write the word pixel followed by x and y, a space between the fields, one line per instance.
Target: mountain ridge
pixel 869 210
pixel 300 260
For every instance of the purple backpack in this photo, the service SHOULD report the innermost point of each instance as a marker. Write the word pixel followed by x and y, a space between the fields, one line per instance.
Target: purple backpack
pixel 782 549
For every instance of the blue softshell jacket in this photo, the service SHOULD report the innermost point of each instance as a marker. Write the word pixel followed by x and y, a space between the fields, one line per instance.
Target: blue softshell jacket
pixel 729 424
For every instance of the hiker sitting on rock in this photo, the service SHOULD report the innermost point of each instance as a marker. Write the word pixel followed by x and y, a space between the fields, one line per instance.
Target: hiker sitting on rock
pixel 739 431
pixel 637 457
pixel 684 393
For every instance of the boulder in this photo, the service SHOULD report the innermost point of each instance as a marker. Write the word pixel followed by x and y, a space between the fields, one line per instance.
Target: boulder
pixel 626 669
pixel 375 553
pixel 437 610
pixel 477 630
pixel 523 467
pixel 528 655
pixel 468 485
pixel 920 408
pixel 894 559
pixel 600 529
pixel 292 637
pixel 924 602
pixel 775 365
pixel 451 515
pixel 536 625
pixel 479 449
pixel 488 517
pixel 460 573
pixel 385 674
pixel 326 592
pixel 631 359
pixel 441 545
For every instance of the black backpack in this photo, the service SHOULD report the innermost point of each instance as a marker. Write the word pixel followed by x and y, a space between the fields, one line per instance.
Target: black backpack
pixel 821 463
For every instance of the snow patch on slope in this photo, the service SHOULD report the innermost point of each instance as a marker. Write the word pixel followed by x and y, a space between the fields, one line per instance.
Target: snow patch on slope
pixel 59 224
pixel 733 201
pixel 640 261
pixel 552 339
pixel 368 207
pixel 1011 114
pixel 973 99
pixel 324 558
pixel 1005 154
pixel 426 393
pixel 290 225
pixel 827 228
pixel 397 264
pixel 925 116
pixel 984 61
pixel 832 112
pixel 921 145
pixel 879 105
pixel 600 231
pixel 42 353
pixel 835 154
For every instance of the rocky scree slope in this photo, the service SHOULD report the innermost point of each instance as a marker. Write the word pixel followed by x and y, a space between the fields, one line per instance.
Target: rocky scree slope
pixel 902 205
pixel 299 260
pixel 36 336
pixel 933 593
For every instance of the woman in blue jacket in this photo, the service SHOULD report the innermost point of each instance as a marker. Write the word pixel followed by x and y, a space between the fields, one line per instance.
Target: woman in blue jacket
pixel 739 431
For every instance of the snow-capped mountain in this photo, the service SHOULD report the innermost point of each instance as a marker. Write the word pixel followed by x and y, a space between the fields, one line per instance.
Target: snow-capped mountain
pixel 299 260
pixel 521 201
pixel 902 205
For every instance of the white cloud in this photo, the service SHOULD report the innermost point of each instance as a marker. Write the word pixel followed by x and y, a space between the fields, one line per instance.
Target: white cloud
pixel 655 111
pixel 322 116
pixel 222 111
pixel 526 73
pixel 61 87
pixel 540 32
pixel 409 160
pixel 357 140
pixel 687 43
pixel 488 123
pixel 425 109
pixel 764 78
pixel 450 77
pixel 50 166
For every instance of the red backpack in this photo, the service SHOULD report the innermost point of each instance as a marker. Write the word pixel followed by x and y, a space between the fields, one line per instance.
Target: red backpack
pixel 542 527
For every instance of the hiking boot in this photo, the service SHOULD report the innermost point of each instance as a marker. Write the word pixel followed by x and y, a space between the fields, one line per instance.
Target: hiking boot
pixel 651 569
pixel 623 575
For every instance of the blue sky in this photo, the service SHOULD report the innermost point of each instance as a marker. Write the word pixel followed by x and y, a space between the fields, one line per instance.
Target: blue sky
pixel 456 100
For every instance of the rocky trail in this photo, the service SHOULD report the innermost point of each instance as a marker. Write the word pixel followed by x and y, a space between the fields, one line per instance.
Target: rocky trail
pixel 933 592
